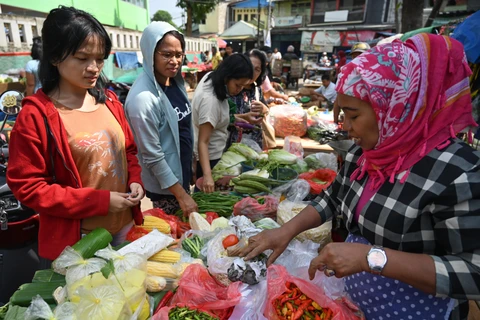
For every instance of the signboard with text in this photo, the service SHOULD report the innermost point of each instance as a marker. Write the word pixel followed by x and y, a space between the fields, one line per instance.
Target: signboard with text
pixel 295 21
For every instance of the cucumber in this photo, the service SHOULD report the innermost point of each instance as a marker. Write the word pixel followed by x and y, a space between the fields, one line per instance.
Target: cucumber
pixel 245 190
pixel 254 185
pixel 252 177
pixel 24 295
pixel 92 242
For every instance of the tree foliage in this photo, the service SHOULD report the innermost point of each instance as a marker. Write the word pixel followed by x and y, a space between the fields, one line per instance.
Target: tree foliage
pixel 196 11
pixel 162 15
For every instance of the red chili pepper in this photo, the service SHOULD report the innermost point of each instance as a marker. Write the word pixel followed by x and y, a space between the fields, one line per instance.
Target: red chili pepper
pixel 301 309
pixel 317 317
pixel 165 300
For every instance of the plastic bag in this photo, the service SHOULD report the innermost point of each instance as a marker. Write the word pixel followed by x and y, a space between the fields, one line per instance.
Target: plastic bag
pixel 177 227
pixel 266 224
pixel 39 309
pixel 288 209
pixel 322 160
pixel 71 264
pixel 197 289
pixel 252 302
pixel 298 255
pixel 104 302
pixel 319 180
pixel 293 144
pixel 252 144
pixel 254 209
pixel 277 276
pixel 295 190
pixel 135 233
pixel 148 245
pixel 121 262
pixel 217 260
pixel 288 121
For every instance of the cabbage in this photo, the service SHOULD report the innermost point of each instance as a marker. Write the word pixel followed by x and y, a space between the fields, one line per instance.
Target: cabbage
pixel 300 167
pixel 221 223
pixel 244 150
pixel 314 162
pixel 281 157
pixel 230 164
pixel 232 158
pixel 257 172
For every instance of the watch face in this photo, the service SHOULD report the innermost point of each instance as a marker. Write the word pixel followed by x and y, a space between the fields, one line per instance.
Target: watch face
pixel 376 258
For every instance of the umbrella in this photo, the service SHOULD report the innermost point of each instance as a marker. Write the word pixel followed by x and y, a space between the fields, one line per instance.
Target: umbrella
pixel 221 43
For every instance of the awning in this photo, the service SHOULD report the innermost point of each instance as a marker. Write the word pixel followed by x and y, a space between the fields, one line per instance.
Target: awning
pixel 240 30
pixel 251 4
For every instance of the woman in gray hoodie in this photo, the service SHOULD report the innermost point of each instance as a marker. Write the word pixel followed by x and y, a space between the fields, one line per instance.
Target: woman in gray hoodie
pixel 159 113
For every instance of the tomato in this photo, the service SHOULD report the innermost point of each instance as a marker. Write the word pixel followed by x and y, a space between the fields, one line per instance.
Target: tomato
pixel 229 241
pixel 210 216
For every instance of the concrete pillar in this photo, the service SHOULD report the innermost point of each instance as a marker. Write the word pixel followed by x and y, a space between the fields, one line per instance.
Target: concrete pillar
pixel 27 29
pixel 15 33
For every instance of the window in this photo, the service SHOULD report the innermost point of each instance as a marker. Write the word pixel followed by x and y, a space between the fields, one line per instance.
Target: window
pixel 356 9
pixel 253 17
pixel 138 3
pixel 21 31
pixel 34 31
pixel 300 8
pixel 239 17
pixel 8 32
pixel 245 17
pixel 131 41
pixel 138 43
pixel 124 41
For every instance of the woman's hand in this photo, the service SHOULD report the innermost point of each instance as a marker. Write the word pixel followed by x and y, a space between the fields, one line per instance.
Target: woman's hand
pixel 276 240
pixel 259 107
pixel 119 202
pixel 252 117
pixel 342 258
pixel 136 193
pixel 187 204
pixel 208 184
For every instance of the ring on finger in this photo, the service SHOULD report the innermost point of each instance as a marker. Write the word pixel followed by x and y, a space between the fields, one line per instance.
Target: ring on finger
pixel 329 272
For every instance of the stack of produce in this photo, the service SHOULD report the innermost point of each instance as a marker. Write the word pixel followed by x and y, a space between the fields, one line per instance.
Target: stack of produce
pixel 294 304
pixel 217 202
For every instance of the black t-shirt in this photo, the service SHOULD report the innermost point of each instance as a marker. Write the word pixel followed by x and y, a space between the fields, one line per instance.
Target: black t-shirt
pixel 183 108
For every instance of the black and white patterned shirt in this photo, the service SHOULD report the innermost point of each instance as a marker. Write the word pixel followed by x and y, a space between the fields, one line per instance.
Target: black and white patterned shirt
pixel 435 212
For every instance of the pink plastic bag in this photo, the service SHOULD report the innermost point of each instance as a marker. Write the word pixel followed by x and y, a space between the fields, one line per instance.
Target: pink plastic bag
pixel 277 276
pixel 252 209
pixel 198 290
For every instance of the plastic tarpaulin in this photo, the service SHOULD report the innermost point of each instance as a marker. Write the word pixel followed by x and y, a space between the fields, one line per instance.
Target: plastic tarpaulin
pixel 467 33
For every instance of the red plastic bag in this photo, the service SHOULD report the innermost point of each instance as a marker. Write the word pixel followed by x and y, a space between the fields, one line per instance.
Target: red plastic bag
pixel 252 209
pixel 198 290
pixel 319 180
pixel 135 233
pixel 177 227
pixel 277 276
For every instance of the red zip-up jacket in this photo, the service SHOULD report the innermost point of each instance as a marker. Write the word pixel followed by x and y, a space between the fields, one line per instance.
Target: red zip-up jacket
pixel 38 144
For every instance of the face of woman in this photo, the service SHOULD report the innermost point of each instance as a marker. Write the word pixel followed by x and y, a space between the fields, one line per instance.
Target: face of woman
pixel 360 121
pixel 257 67
pixel 82 69
pixel 168 58
pixel 235 86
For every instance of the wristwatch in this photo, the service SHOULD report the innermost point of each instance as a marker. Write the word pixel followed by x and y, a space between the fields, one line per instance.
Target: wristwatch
pixel 377 259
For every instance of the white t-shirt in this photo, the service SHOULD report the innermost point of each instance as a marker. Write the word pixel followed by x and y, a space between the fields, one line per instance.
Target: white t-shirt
pixel 206 108
pixel 277 56
pixel 329 92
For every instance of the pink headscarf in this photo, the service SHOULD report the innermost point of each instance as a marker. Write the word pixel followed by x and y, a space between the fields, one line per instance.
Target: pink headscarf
pixel 420 93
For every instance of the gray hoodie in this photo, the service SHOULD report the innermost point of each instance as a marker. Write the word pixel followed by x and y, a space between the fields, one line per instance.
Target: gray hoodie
pixel 153 120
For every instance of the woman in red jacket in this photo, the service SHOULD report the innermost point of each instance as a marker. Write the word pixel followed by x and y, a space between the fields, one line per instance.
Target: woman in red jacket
pixel 72 154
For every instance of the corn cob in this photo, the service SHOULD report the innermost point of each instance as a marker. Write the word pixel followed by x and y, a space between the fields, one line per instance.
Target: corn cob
pixel 155 283
pixel 151 222
pixel 166 255
pixel 161 269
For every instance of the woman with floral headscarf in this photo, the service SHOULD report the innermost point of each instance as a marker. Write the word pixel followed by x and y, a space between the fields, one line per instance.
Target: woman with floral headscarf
pixel 409 190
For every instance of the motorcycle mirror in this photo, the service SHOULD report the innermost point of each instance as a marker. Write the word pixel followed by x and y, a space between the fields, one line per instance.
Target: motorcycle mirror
pixel 11 102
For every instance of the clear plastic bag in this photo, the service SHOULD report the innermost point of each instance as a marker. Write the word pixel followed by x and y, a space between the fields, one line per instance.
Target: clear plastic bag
pixel 217 259
pixel 71 264
pixel 39 309
pixel 252 144
pixel 122 263
pixel 298 254
pixel 293 144
pixel 322 160
pixel 288 120
pixel 295 190
pixel 148 245
pixel 288 209
pixel 252 303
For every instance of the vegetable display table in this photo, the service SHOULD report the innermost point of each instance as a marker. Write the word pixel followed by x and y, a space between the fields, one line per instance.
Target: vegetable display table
pixel 309 146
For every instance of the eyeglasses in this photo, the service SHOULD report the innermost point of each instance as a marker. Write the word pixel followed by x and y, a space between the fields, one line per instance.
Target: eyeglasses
pixel 168 56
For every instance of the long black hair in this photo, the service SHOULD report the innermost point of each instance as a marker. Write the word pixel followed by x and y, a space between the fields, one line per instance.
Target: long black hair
pixel 64 31
pixel 263 61
pixel 36 52
pixel 235 66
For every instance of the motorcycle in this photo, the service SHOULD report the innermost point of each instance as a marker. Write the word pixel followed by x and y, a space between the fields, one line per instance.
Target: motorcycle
pixel 18 224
